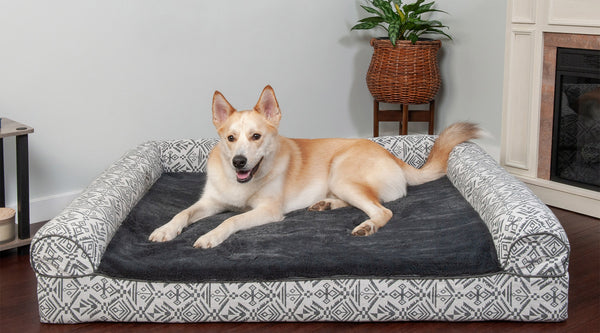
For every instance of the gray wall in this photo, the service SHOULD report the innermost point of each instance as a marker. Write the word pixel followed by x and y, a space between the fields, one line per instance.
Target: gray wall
pixel 95 78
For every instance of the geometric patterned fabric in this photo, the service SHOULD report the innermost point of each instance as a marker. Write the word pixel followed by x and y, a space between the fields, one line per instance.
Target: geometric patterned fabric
pixel 494 297
pixel 530 242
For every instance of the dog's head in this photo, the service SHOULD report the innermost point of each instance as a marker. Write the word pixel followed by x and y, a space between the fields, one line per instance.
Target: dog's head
pixel 248 138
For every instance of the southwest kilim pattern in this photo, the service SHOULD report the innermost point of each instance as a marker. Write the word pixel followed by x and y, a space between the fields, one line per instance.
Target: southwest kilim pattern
pixel 78 236
pixel 530 243
pixel 186 155
pixel 529 239
pixel 412 149
pixel 495 297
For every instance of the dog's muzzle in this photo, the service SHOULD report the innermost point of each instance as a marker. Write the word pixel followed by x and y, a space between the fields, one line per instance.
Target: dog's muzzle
pixel 243 174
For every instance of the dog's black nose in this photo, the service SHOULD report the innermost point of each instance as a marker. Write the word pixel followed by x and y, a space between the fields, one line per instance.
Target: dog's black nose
pixel 239 161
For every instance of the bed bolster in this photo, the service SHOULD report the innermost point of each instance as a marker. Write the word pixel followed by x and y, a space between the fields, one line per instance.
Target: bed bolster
pixel 73 243
pixel 412 149
pixel 529 239
pixel 190 155
pixel 542 254
pixel 186 155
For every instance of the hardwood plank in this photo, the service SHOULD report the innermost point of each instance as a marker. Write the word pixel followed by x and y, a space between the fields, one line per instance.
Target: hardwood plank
pixel 19 310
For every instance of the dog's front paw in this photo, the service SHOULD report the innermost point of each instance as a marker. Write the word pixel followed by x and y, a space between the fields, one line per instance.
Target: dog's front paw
pixel 209 240
pixel 164 234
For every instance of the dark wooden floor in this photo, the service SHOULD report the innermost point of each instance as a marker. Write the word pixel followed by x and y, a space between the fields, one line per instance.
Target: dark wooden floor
pixel 19 313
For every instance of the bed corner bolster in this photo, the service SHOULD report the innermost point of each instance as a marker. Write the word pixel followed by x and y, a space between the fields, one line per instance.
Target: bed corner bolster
pixel 58 256
pixel 72 244
pixel 529 239
pixel 539 255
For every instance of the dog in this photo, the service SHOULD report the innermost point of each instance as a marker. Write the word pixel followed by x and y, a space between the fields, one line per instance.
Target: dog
pixel 264 175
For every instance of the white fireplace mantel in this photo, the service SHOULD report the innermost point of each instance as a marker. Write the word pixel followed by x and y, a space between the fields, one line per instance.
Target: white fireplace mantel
pixel 527 22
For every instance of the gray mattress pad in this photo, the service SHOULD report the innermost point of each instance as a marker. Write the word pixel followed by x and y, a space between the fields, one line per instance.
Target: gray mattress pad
pixel 434 233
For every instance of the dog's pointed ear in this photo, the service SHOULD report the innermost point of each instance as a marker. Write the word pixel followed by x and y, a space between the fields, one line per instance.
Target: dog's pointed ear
pixel 221 109
pixel 267 106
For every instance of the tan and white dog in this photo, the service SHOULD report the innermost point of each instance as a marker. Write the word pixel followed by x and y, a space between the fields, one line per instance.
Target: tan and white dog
pixel 255 170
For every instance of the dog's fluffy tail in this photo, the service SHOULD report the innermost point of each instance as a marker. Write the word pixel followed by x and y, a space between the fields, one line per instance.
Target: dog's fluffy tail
pixel 435 166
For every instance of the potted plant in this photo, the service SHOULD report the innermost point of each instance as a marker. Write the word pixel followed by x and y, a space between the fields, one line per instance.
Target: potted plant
pixel 404 67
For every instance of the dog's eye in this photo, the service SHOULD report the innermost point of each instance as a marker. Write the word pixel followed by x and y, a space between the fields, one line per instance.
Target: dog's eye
pixel 231 138
pixel 255 136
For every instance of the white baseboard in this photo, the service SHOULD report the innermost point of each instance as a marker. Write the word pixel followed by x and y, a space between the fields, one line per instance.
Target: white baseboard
pixel 563 196
pixel 46 208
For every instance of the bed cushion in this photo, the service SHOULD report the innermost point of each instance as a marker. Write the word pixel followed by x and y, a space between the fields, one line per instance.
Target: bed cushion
pixel 434 233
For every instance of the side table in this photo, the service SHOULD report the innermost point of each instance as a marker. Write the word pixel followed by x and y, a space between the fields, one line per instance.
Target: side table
pixel 10 128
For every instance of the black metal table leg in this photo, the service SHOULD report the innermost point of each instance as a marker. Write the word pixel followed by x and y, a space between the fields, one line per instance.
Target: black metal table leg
pixel 2 195
pixel 23 190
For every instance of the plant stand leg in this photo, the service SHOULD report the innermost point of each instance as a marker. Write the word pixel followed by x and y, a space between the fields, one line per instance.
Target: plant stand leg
pixel 375 118
pixel 404 124
pixel 431 115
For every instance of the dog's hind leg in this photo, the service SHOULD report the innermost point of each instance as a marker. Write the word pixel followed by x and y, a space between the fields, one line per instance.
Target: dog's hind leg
pixel 327 204
pixel 366 199
pixel 366 183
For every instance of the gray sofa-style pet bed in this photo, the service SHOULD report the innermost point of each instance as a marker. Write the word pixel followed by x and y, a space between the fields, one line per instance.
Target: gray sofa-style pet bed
pixel 475 245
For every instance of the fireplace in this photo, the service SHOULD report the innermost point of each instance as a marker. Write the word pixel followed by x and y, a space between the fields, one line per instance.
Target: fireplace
pixel 535 32
pixel 569 135
pixel 575 156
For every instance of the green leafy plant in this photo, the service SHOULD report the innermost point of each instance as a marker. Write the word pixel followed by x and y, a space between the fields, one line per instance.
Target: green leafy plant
pixel 402 21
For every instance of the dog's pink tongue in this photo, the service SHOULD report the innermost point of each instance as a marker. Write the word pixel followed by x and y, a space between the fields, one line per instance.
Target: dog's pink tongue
pixel 243 174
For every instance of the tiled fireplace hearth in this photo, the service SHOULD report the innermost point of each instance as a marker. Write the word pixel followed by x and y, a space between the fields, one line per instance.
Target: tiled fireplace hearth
pixel 536 30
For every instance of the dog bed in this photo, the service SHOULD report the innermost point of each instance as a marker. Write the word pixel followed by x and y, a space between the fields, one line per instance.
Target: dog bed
pixel 475 245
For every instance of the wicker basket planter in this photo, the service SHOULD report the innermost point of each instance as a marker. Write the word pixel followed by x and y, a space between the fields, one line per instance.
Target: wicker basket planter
pixel 405 74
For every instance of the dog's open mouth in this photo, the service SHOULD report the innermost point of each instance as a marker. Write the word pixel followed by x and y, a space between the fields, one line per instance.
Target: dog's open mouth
pixel 244 176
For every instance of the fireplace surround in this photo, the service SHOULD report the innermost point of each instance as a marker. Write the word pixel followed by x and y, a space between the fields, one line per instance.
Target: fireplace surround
pixel 535 31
